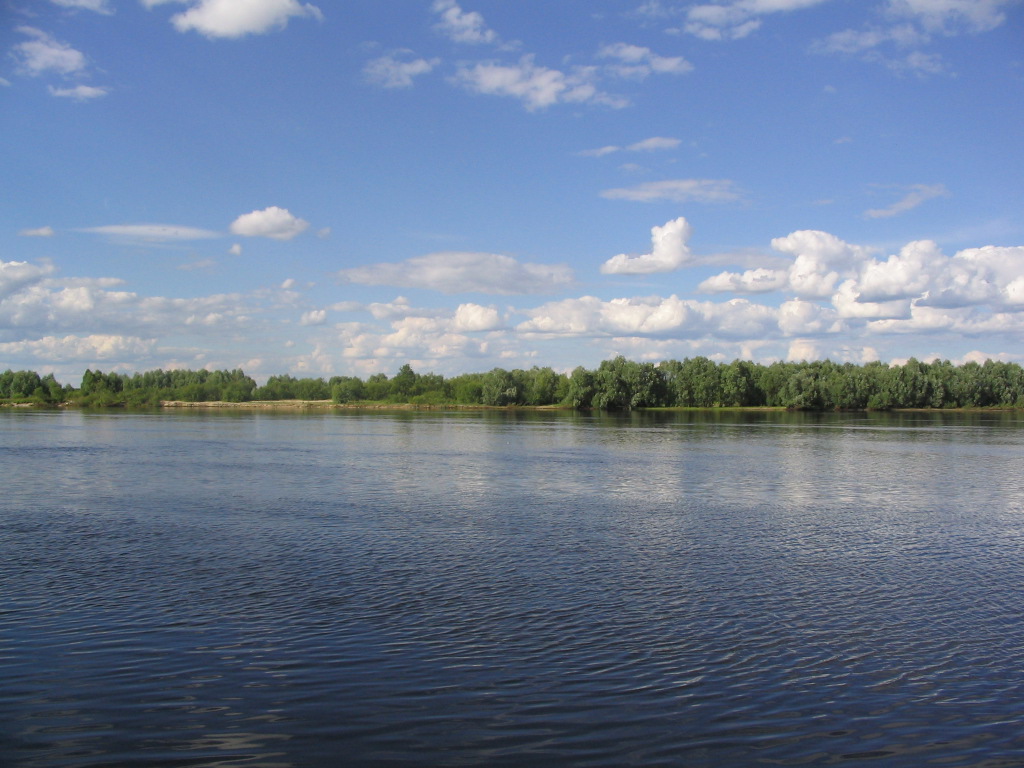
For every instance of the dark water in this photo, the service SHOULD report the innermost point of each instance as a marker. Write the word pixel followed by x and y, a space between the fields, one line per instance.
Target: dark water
pixel 189 589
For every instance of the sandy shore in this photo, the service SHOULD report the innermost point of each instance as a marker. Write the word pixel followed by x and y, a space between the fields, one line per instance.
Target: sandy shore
pixel 289 404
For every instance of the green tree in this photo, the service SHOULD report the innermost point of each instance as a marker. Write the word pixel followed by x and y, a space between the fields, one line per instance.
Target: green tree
pixel 581 388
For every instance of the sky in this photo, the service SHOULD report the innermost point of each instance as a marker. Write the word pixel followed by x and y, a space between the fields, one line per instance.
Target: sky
pixel 344 188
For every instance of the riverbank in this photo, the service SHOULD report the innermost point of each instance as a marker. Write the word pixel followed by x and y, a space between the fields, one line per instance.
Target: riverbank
pixel 330 405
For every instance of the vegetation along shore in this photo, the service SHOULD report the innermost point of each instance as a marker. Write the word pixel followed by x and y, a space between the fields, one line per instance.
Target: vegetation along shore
pixel 617 384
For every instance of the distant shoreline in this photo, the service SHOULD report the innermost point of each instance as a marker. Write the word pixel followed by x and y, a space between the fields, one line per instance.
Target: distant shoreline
pixel 331 405
pixel 293 405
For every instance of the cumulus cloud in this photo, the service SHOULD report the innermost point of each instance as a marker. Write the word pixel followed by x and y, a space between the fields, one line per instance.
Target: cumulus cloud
pixel 154 233
pixel 97 346
pixel 43 54
pixel 313 317
pixel 990 275
pixel 917 194
pixel 15 275
pixel 474 317
pixel 38 232
pixel 678 190
pixel 637 63
pixel 273 222
pixel 237 18
pixel 393 72
pixel 850 303
pixel 418 334
pixel 90 306
pixel 459 272
pixel 901 276
pixel 759 280
pixel 669 251
pixel 462 26
pixel 819 261
pixel 655 316
pixel 536 86
pixel 798 317
pixel 803 350
pixel 891 294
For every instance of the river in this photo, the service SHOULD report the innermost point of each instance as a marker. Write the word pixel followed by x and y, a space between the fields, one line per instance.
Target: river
pixel 528 588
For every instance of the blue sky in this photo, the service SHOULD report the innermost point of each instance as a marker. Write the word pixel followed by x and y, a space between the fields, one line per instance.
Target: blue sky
pixel 463 184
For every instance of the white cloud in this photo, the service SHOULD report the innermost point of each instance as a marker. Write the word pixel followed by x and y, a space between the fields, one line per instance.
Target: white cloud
pixel 802 350
pixel 852 41
pixel 850 303
pixel 917 194
pixel 155 233
pixel 273 222
pixel 237 18
pixel 391 72
pixel 313 317
pixel 200 264
pixel 819 261
pixel 99 6
pixel 400 307
pixel 474 317
pixel 798 318
pixel 462 26
pixel 670 317
pixel 79 92
pixel 15 275
pixel 458 272
pixel 819 258
pixel 735 19
pixel 417 335
pixel 637 62
pixel 38 232
pixel 759 280
pixel 902 276
pixel 87 306
pixel 912 25
pixel 235 249
pixel 952 16
pixel 536 86
pixel 654 144
pixel 918 276
pixel 978 276
pixel 95 347
pixel 678 190
pixel 668 252
pixel 44 54
pixel 600 151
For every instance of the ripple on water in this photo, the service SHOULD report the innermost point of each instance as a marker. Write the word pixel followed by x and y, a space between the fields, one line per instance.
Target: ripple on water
pixel 680 596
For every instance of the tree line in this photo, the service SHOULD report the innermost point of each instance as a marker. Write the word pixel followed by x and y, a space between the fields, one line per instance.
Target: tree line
pixel 617 384
pixel 614 384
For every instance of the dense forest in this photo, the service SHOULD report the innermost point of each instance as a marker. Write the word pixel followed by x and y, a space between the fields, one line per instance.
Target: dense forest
pixel 618 384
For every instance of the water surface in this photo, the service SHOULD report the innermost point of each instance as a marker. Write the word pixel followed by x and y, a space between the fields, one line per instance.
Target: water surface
pixel 523 588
